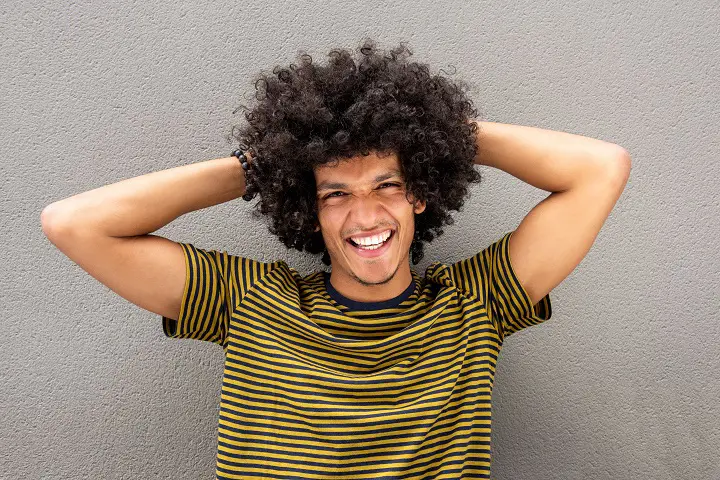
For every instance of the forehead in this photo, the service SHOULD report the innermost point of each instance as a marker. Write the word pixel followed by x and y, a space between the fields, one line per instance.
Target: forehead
pixel 358 169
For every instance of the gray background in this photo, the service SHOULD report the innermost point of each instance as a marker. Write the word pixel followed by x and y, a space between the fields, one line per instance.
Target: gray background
pixel 622 383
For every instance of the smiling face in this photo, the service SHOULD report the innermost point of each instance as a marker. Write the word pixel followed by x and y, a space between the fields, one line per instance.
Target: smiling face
pixel 365 197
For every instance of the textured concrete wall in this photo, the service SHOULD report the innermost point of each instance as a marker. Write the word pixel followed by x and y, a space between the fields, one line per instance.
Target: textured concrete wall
pixel 622 383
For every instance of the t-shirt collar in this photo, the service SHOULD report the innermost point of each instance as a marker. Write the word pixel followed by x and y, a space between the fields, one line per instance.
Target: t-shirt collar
pixel 355 305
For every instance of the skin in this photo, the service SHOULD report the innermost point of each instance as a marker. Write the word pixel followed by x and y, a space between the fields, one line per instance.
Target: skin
pixel 366 205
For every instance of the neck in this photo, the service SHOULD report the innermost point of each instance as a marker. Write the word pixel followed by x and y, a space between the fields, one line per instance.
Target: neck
pixel 359 290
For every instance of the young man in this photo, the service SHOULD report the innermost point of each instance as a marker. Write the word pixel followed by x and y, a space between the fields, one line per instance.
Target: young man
pixel 370 370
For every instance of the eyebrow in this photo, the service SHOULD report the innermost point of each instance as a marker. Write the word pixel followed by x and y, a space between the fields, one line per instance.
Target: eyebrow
pixel 334 185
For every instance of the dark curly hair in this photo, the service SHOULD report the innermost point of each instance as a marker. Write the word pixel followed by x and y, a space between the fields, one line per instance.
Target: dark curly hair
pixel 311 115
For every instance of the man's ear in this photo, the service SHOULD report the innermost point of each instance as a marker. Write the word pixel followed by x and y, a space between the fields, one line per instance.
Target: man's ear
pixel 317 228
pixel 418 206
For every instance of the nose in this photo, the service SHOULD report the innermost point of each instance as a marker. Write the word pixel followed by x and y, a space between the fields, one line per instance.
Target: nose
pixel 368 212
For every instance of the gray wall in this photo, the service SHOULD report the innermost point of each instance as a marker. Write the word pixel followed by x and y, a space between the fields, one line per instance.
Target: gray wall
pixel 622 383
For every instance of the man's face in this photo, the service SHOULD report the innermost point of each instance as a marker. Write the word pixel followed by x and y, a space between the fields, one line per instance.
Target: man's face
pixel 359 197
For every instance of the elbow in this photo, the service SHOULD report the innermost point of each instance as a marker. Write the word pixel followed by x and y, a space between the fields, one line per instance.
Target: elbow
pixel 618 164
pixel 612 168
pixel 45 217
pixel 50 220
pixel 617 171
pixel 623 164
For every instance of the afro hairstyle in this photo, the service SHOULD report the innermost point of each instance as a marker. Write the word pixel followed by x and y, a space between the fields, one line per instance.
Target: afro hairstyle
pixel 310 115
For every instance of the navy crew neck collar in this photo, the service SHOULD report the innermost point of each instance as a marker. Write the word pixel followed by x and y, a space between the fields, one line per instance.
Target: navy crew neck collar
pixel 356 305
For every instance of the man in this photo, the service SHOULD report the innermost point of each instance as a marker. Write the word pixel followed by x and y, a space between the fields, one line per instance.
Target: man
pixel 370 370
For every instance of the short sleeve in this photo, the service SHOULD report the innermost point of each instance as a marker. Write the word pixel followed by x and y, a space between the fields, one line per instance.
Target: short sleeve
pixel 489 275
pixel 215 283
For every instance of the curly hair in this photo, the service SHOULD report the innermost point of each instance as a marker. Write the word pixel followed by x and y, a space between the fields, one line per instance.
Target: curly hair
pixel 311 115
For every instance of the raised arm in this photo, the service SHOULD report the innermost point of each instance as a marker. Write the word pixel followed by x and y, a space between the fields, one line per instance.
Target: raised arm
pixel 106 231
pixel 586 177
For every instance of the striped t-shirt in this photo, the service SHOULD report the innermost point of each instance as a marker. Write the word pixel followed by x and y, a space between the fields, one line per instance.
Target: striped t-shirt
pixel 317 386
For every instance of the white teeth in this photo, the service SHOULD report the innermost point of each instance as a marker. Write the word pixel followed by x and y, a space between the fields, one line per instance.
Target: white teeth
pixel 374 247
pixel 373 240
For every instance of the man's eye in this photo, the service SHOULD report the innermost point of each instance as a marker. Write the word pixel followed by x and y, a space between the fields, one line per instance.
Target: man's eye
pixel 381 185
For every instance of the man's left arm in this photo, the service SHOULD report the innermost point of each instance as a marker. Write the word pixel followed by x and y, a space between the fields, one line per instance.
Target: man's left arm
pixel 586 177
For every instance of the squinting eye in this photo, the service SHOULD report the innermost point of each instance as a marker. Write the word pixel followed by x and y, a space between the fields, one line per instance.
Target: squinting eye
pixel 381 185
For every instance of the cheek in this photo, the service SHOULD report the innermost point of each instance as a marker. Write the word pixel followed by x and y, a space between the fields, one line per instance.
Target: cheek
pixel 330 220
pixel 329 228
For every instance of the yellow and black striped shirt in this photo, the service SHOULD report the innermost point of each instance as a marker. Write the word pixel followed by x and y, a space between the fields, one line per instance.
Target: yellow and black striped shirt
pixel 317 386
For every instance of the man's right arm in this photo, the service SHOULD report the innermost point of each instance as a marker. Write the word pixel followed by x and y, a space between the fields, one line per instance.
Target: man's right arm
pixel 106 231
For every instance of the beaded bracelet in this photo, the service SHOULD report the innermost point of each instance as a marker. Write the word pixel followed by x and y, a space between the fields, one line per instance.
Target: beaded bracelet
pixel 243 158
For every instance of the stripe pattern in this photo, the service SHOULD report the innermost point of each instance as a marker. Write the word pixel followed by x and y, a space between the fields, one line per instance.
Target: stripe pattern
pixel 489 276
pixel 316 386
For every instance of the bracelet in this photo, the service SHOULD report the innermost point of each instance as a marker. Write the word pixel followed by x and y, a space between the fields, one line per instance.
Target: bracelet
pixel 243 159
pixel 245 165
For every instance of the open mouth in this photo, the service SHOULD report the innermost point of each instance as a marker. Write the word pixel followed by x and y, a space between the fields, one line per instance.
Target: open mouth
pixel 371 250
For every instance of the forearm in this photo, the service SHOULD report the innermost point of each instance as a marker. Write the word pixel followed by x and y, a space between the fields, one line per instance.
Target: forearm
pixel 141 205
pixel 550 160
